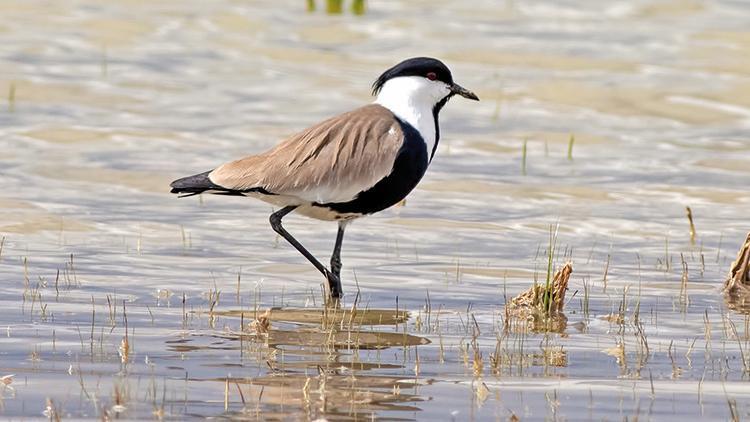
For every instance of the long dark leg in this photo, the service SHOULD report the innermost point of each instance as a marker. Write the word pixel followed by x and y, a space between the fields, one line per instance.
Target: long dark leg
pixel 336 257
pixel 333 280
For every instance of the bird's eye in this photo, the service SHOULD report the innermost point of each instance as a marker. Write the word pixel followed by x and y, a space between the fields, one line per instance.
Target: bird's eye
pixel 431 76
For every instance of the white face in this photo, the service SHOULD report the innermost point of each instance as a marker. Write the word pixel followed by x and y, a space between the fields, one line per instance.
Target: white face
pixel 416 90
pixel 412 99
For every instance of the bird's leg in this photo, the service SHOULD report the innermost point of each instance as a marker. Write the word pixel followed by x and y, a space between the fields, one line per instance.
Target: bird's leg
pixel 336 257
pixel 333 280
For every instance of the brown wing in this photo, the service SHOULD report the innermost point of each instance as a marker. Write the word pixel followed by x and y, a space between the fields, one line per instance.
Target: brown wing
pixel 330 162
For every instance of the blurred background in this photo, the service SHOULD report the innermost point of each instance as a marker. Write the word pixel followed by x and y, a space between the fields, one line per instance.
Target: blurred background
pixel 607 118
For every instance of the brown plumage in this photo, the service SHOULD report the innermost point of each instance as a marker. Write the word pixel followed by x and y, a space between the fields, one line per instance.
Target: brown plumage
pixel 330 162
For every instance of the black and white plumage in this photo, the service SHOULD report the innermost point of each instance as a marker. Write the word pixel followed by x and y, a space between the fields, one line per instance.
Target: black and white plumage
pixel 348 166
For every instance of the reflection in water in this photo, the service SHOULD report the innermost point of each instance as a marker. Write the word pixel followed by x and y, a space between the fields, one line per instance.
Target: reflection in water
pixel 537 322
pixel 326 394
pixel 315 365
pixel 738 302
pixel 737 284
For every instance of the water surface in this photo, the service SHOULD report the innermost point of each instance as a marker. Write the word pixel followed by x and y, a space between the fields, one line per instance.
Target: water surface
pixel 103 104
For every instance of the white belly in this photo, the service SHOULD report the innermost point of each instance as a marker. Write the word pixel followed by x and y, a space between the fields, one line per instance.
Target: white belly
pixel 304 207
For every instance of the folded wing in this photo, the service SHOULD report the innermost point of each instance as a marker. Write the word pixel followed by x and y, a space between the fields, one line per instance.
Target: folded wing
pixel 330 162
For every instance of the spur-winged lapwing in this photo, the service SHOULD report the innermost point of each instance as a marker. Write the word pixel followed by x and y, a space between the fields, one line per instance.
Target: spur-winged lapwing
pixel 348 166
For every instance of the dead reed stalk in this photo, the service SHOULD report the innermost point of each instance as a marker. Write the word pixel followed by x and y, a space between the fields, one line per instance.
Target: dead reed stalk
pixel 541 306
pixel 738 281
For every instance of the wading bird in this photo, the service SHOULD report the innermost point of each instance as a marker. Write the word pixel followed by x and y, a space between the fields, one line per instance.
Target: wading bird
pixel 348 166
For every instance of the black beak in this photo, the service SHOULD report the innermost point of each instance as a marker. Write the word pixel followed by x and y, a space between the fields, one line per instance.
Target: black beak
pixel 458 89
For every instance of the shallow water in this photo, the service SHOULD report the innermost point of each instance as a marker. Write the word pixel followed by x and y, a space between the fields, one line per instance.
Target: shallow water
pixel 103 104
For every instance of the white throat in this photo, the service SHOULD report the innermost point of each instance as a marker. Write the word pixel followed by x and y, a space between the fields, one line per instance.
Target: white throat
pixel 412 99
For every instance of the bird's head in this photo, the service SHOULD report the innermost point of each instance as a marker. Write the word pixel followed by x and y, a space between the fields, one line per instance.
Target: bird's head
pixel 419 80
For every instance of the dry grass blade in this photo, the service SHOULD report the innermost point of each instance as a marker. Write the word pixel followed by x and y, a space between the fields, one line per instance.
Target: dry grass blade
pixel 12 97
pixel 692 225
pixel 51 411
pixel 261 325
pixel 738 281
pixel 124 349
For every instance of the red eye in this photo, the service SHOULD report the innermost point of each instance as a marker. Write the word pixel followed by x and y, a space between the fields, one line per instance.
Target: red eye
pixel 431 76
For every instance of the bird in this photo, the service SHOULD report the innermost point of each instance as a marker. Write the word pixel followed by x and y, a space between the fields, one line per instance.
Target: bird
pixel 348 166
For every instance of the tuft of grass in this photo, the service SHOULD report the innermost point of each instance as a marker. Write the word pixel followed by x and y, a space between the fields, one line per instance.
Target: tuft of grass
pixel 542 305
pixel 239 281
pixel 692 226
pixel 125 348
pixel 547 298
pixel 12 97
pixel 358 7
pixel 93 325
pixel 112 305
pixel 334 7
pixel 213 301
pixel 184 311
pixel 571 141
pixel 586 298
pixel 226 394
pixel 72 271
pixel 606 273
pixel 651 381
pixel 684 299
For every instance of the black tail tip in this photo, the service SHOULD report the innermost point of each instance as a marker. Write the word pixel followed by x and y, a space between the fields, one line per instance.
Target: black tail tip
pixel 192 185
